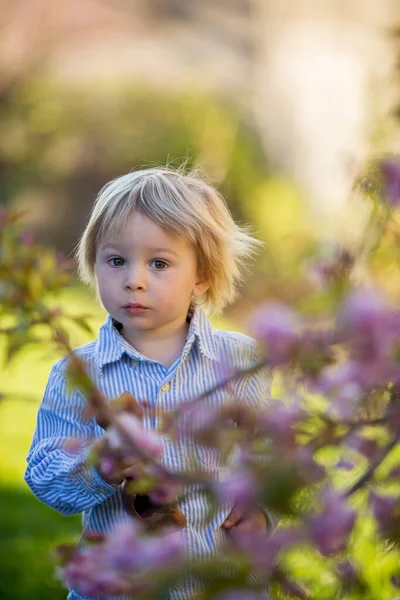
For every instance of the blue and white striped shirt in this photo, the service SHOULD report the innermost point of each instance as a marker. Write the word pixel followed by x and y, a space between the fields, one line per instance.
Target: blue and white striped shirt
pixel 53 473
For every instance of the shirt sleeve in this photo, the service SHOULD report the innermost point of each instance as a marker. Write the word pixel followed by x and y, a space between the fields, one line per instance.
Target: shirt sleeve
pixel 59 477
pixel 254 390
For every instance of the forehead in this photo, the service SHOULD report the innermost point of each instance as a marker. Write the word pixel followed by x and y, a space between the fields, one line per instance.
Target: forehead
pixel 139 231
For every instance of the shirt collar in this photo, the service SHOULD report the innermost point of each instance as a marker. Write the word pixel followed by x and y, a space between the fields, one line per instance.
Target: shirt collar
pixel 201 330
pixel 111 345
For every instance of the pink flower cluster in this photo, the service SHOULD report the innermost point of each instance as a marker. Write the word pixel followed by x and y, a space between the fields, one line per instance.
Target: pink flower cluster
pixel 276 458
pixel 124 563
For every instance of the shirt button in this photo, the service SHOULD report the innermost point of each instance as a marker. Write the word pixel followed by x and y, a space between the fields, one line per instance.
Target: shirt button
pixel 166 387
pixel 167 437
pixel 179 586
pixel 135 363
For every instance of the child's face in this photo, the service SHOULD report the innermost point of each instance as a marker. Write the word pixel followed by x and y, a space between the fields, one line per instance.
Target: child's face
pixel 147 266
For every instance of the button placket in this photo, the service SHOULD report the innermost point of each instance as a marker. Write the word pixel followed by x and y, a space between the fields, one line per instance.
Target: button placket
pixel 159 402
pixel 165 388
pixel 179 586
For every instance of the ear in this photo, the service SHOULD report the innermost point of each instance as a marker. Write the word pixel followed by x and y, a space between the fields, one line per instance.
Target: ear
pixel 200 288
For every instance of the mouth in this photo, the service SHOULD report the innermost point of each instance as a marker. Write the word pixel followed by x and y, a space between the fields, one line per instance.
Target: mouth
pixel 135 305
pixel 134 308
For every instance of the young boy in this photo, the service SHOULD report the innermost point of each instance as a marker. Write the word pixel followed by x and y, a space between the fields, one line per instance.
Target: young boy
pixel 162 249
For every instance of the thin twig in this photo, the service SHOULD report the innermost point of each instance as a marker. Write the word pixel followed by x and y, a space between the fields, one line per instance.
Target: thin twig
pixel 371 470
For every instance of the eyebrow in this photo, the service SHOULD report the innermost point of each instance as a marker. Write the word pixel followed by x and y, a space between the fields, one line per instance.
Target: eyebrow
pixel 150 249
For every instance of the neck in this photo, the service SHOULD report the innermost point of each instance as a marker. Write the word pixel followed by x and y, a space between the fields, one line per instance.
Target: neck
pixel 163 344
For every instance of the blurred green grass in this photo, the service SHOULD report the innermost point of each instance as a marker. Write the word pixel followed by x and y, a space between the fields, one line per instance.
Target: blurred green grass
pixel 28 532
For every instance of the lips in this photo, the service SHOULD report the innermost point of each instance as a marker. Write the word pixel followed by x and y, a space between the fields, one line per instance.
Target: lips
pixel 134 305
pixel 134 308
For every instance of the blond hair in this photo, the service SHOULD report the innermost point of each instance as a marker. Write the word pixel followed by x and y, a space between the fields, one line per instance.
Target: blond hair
pixel 182 204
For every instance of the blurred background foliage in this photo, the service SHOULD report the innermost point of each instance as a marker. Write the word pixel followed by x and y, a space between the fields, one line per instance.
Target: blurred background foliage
pixel 59 146
pixel 62 140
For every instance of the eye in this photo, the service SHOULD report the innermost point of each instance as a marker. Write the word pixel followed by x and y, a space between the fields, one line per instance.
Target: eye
pixel 159 265
pixel 116 262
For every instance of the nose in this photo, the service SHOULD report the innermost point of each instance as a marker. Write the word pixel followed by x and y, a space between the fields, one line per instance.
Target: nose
pixel 135 278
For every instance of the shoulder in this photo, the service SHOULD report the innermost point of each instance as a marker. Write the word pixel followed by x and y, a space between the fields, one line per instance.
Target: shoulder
pixel 57 388
pixel 242 348
pixel 234 338
pixel 244 352
pixel 86 352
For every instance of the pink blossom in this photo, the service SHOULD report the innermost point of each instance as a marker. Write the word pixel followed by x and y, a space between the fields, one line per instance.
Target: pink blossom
pixel 239 488
pixel 149 441
pixel 127 549
pixel 368 324
pixel 263 550
pixel 123 544
pixel 346 402
pixel 194 417
pixel 386 514
pixel 278 328
pixel 122 564
pixel 330 530
pixel 108 465
pixel 340 385
pixel 390 169
pixel 161 552
pixel 371 330
pixel 279 422
pixel 86 573
pixel 309 470
pixel 334 378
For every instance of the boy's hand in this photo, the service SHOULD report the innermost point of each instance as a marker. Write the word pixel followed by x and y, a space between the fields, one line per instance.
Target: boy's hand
pixel 246 521
pixel 127 467
pixel 128 471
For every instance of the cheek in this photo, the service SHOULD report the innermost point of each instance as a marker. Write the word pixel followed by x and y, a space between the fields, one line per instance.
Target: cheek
pixel 105 283
pixel 98 273
pixel 178 281
pixel 102 293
